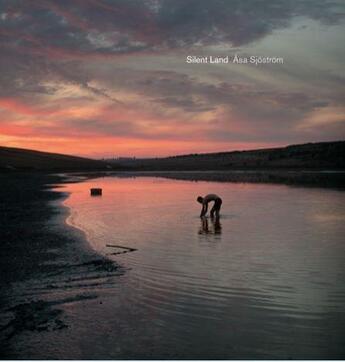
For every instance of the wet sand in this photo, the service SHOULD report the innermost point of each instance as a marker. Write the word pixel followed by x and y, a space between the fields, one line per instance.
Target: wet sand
pixel 45 265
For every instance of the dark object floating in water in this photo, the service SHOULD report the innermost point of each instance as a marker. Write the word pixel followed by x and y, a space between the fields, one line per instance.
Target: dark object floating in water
pixel 96 192
pixel 128 250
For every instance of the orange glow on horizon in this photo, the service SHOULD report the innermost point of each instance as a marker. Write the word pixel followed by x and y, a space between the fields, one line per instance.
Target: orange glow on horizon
pixel 106 147
pixel 103 129
pixel 82 130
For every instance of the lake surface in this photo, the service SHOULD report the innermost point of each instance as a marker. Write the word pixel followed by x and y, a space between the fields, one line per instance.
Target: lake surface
pixel 266 281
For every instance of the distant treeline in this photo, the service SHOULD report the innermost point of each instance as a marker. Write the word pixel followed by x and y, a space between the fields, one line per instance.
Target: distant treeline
pixel 318 156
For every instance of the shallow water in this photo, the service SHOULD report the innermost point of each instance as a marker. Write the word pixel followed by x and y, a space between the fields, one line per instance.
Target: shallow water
pixel 266 281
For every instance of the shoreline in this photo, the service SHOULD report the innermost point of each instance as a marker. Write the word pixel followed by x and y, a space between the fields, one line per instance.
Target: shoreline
pixel 45 263
pixel 329 179
pixel 65 212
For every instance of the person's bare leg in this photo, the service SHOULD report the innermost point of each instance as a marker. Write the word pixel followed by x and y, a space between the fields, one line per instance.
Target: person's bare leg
pixel 217 226
pixel 204 225
pixel 212 211
pixel 218 210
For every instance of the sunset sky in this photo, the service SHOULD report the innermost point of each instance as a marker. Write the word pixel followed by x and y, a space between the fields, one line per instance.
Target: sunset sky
pixel 103 78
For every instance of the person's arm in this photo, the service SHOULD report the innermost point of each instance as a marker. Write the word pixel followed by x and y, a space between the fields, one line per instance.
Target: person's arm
pixel 203 210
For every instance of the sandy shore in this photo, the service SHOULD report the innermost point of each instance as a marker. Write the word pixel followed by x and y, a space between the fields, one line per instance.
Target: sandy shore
pixel 44 264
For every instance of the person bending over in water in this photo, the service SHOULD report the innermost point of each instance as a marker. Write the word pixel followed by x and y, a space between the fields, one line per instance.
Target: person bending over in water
pixel 216 206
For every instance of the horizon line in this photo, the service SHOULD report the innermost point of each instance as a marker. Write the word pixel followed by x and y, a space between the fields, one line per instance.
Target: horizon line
pixel 171 156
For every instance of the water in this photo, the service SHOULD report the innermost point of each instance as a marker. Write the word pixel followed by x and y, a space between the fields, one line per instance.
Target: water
pixel 266 281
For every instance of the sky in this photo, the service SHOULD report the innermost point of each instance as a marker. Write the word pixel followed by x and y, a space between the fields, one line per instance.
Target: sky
pixel 109 78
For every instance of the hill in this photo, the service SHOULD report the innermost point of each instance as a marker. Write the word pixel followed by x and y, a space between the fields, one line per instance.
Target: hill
pixel 17 159
pixel 310 156
pixel 316 156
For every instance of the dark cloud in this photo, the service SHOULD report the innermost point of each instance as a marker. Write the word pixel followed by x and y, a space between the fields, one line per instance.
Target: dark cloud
pixel 237 22
pixel 247 112
pixel 188 94
pixel 117 27
pixel 186 103
pixel 46 40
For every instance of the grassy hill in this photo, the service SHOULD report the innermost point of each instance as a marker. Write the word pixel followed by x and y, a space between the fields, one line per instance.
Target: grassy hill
pixel 310 156
pixel 17 159
pixel 317 156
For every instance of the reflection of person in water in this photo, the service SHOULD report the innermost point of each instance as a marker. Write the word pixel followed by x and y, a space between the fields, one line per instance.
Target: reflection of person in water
pixel 216 206
pixel 215 223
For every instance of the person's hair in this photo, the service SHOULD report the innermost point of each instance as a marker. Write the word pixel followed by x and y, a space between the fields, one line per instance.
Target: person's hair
pixel 200 199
